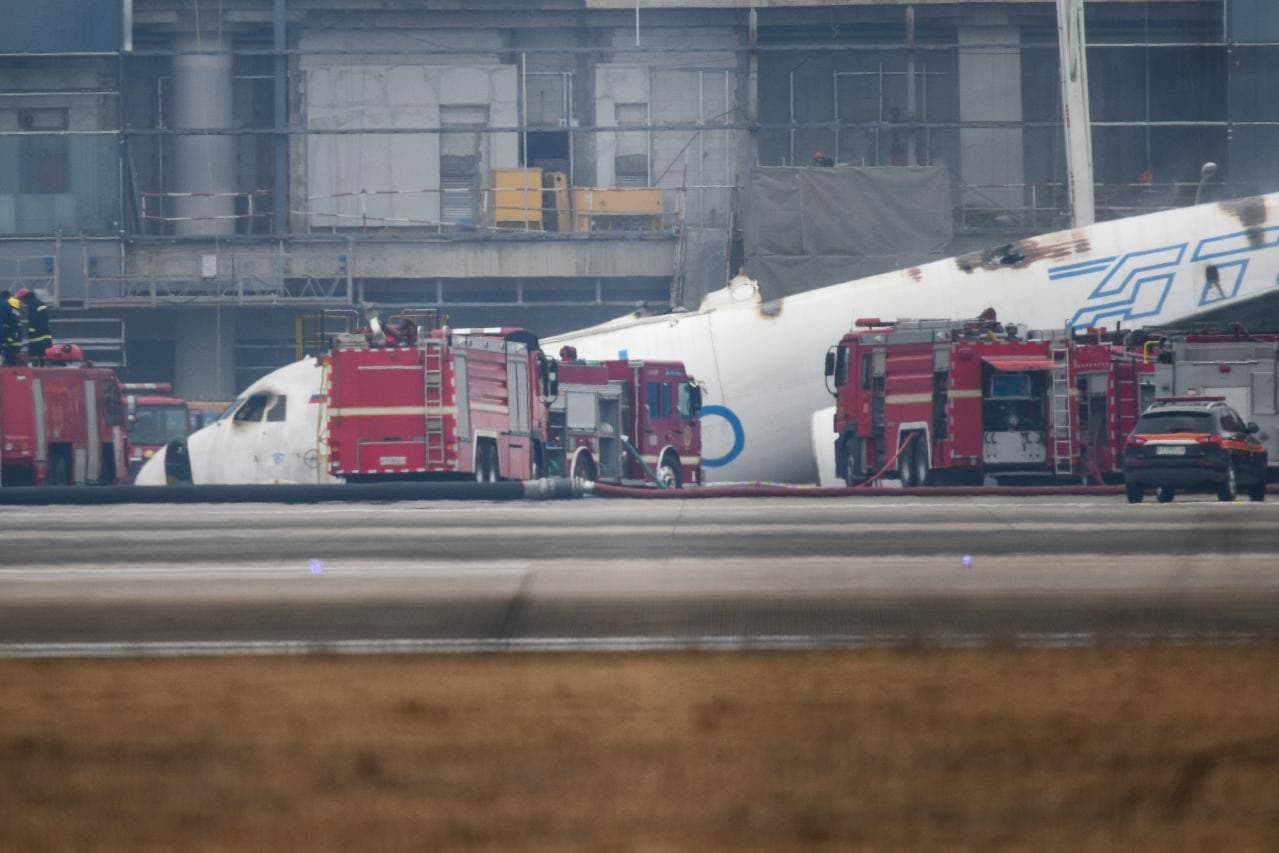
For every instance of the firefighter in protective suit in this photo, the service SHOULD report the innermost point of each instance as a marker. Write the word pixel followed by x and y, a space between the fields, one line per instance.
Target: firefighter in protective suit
pixel 39 338
pixel 10 327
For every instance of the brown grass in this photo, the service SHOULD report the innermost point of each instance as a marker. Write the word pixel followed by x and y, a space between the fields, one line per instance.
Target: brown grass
pixel 1153 748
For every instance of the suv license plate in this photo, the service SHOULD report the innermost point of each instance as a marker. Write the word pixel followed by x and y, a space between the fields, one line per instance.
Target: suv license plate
pixel 1170 450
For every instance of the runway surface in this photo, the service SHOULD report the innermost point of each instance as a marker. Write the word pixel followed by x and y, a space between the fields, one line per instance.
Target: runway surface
pixel 631 574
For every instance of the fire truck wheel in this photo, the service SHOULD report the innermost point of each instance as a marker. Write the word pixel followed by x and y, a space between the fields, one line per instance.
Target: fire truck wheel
pixel 584 468
pixel 59 471
pixel 668 472
pixel 920 461
pixel 491 468
pixel 1165 494
pixel 852 461
pixel 1135 492
pixel 1229 486
pixel 486 463
pixel 906 467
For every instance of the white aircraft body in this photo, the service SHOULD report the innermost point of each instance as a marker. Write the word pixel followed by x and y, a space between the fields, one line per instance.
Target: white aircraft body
pixel 762 362
pixel 270 434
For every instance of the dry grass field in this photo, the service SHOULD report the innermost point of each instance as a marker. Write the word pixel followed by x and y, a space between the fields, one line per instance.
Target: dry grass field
pixel 1160 748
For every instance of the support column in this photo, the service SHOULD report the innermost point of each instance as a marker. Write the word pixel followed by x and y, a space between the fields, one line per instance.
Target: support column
pixel 280 220
pixel 202 94
pixel 1074 110
pixel 990 90
pixel 204 352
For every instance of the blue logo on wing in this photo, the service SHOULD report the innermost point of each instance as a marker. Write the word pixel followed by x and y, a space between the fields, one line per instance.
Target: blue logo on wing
pixel 1134 286
pixel 1129 287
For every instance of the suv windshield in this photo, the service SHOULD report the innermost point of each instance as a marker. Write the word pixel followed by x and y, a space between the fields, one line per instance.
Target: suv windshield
pixel 158 424
pixel 1169 422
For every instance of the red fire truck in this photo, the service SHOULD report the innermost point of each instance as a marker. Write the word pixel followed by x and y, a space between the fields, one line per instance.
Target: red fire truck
pixel 626 422
pixel 155 418
pixel 454 403
pixel 1240 367
pixel 960 401
pixel 61 425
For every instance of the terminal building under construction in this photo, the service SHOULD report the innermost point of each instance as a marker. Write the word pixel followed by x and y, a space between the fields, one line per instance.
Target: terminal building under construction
pixel 186 179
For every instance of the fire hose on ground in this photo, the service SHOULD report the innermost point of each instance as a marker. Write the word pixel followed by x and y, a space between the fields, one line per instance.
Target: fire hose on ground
pixel 779 490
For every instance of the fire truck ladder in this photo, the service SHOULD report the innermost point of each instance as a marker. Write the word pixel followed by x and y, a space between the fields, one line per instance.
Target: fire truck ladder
pixel 433 398
pixel 1063 438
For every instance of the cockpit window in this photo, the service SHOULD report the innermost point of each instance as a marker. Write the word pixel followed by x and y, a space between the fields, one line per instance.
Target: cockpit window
pixel 253 409
pixel 277 410
pixel 230 410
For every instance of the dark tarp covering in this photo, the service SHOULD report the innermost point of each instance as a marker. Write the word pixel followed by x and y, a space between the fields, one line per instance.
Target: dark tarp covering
pixel 810 227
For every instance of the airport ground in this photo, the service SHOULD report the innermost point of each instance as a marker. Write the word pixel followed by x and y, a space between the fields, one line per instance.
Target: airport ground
pixel 798 673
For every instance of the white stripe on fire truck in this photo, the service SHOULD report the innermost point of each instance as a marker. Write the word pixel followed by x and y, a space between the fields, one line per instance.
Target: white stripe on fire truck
pixel 926 397
pixel 491 407
pixel 364 411
pixel 683 460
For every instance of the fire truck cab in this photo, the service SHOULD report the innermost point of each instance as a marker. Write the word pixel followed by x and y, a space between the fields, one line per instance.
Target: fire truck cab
pixel 1240 368
pixel 626 422
pixel 959 401
pixel 449 404
pixel 61 426
pixel 155 418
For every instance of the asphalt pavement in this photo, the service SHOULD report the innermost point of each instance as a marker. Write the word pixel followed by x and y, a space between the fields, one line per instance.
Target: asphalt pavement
pixel 599 573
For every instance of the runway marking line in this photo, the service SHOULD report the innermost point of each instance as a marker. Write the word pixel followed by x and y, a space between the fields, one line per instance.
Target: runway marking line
pixel 604 644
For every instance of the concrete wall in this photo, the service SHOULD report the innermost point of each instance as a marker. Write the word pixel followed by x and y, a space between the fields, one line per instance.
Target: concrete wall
pixel 990 90
pixel 701 85
pixel 403 259
pixel 91 203
pixel 368 91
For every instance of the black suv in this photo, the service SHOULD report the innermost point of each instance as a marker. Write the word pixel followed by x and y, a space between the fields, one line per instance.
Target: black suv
pixel 1198 443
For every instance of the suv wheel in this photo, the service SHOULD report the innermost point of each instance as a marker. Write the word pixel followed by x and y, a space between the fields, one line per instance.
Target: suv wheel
pixel 1257 491
pixel 1165 494
pixel 1229 486
pixel 1135 492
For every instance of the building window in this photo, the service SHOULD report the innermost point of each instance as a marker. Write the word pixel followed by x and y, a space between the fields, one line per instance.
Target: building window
pixel 460 155
pixel 630 166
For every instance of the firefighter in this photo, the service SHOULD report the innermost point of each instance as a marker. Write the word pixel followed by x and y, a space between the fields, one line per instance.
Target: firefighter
pixel 10 327
pixel 39 338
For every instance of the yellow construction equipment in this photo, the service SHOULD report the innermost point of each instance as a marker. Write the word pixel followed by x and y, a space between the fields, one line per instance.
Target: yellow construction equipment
pixel 517 198
pixel 599 209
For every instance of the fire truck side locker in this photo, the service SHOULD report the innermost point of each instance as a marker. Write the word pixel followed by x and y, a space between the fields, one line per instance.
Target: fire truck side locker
pixel 587 419
pixel 38 426
pixel 1244 372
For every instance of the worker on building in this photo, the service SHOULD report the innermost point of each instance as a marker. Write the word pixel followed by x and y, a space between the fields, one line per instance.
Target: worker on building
pixel 39 338
pixel 10 327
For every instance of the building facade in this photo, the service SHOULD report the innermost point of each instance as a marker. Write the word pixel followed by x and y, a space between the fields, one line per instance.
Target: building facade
pixel 188 178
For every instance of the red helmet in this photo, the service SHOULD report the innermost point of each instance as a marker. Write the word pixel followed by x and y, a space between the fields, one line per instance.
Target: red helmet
pixel 23 293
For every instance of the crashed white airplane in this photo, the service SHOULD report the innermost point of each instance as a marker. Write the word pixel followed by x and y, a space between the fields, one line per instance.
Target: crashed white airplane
pixel 762 362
